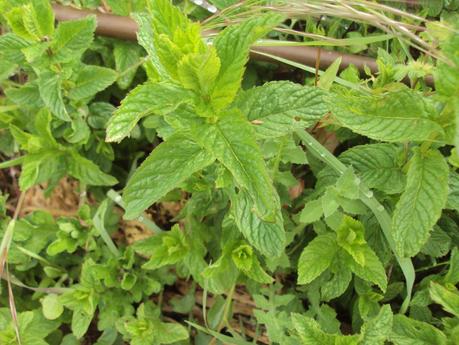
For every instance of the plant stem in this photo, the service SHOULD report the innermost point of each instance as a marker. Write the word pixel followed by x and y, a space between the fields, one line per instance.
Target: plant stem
pixel 8 236
pixel 366 196
pixel 224 320
pixel 112 194
pixel 439 264
pixel 12 162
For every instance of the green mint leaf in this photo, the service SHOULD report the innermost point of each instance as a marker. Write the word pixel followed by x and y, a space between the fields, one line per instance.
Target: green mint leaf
pixel 10 47
pixel 447 298
pixel 407 331
pixel 42 16
pixel 257 273
pixel 311 212
pixel 198 71
pixel 169 333
pixel 311 333
pixel 232 141
pixel 72 38
pixel 221 274
pixel 242 257
pixel 15 20
pixel 50 87
pixel 174 35
pixel 25 140
pixel 447 75
pixel 27 95
pixel 278 108
pixel 339 281
pixel 453 195
pixel 52 307
pixel 87 171
pixel 267 237
pixel 316 258
pixel 43 129
pixel 329 202
pixel 452 276
pixel 32 21
pixel 171 50
pixel 90 80
pixel 351 237
pixel 127 56
pixel 377 330
pixel 80 323
pixel 146 99
pixel 377 165
pixel 421 203
pixel 33 327
pixel 79 132
pixel 7 69
pixel 37 329
pixel 232 46
pixel 167 18
pixel 347 185
pixel 163 249
pixel 447 80
pixel 170 163
pixel 372 270
pixel 145 37
pixel 247 262
pixel 438 244
pixel 40 167
pixel 394 116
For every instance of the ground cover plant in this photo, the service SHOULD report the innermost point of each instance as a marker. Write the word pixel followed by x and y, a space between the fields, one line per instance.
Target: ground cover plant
pixel 170 191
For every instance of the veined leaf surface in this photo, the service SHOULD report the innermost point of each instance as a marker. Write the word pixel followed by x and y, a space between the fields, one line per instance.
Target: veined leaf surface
pixel 281 107
pixel 144 100
pixel 232 140
pixel 377 165
pixel 396 116
pixel 232 46
pixel 170 163
pixel 267 237
pixel 316 258
pixel 421 203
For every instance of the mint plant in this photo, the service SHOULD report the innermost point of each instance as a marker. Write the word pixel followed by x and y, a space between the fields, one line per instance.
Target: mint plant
pixel 215 200
pixel 208 123
pixel 58 87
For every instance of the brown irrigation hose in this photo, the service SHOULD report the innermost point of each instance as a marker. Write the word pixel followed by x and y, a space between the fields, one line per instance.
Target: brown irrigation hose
pixel 107 24
pixel 308 56
pixel 125 28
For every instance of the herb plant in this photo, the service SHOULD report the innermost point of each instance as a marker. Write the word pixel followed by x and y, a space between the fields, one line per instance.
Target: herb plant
pixel 353 245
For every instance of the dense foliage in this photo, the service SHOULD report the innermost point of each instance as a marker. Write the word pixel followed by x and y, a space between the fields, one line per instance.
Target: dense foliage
pixel 353 245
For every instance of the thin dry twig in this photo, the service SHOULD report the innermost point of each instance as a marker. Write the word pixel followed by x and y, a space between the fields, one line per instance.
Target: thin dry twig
pixel 4 249
pixel 378 15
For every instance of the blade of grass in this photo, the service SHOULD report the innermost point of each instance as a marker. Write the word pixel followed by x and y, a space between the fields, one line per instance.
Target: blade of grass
pixel 4 248
pixel 8 236
pixel 17 282
pixel 333 42
pixel 12 162
pixel 38 258
pixel 12 304
pixel 312 70
pixel 223 338
pixel 99 223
